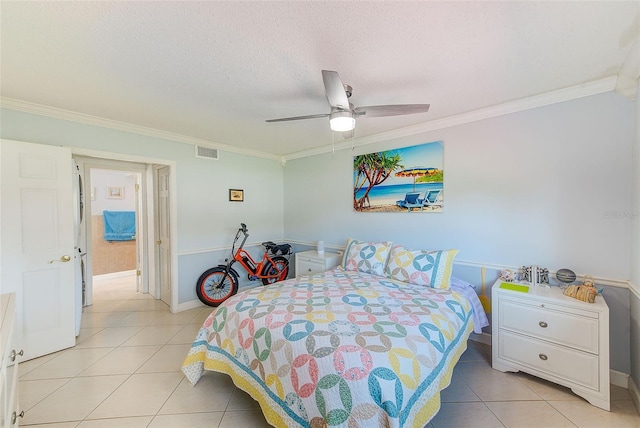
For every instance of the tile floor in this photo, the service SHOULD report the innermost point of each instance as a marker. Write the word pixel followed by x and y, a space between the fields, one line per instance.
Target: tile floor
pixel 125 372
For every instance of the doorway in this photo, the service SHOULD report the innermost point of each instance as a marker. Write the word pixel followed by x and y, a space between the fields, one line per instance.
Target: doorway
pixel 151 267
pixel 115 211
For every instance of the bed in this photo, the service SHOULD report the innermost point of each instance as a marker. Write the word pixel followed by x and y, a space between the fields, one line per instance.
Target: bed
pixel 355 346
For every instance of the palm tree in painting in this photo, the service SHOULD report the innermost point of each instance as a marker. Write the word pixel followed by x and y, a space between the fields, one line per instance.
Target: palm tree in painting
pixel 371 170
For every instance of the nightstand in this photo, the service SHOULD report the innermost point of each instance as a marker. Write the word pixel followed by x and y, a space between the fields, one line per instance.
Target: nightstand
pixel 310 262
pixel 552 336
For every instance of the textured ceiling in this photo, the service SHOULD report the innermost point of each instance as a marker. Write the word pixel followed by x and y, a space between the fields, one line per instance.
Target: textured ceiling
pixel 216 70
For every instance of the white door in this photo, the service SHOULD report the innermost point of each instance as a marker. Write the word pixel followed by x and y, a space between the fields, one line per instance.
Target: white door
pixel 163 242
pixel 37 244
pixel 139 236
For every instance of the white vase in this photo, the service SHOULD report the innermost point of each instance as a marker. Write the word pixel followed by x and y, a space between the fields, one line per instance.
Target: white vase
pixel 320 247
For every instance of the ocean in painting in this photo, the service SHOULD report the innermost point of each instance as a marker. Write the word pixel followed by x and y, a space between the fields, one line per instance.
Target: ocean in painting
pixel 388 195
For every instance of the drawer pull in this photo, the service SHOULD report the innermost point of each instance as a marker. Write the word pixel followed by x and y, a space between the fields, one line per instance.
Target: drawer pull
pixel 543 324
pixel 15 416
pixel 543 357
pixel 14 354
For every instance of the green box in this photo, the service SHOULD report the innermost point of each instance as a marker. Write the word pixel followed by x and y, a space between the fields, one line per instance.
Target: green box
pixel 515 287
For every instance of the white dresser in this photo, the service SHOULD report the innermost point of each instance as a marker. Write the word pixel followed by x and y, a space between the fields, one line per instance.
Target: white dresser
pixel 10 413
pixel 555 337
pixel 310 262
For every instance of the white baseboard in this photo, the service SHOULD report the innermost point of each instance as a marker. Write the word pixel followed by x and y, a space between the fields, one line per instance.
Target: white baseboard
pixel 619 379
pixel 634 391
pixel 190 305
pixel 484 338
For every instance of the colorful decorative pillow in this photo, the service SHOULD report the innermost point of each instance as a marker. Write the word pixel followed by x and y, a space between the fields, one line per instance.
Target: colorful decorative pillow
pixel 421 267
pixel 368 257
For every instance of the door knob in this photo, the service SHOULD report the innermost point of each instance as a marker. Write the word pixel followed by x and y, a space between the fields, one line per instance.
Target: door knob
pixel 15 416
pixel 158 242
pixel 13 355
pixel 63 259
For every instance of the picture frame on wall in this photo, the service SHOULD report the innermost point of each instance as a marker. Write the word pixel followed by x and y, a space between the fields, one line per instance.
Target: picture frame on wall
pixel 402 180
pixel 115 192
pixel 236 195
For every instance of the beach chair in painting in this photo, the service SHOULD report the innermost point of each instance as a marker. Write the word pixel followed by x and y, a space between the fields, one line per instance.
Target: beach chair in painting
pixel 431 199
pixel 410 201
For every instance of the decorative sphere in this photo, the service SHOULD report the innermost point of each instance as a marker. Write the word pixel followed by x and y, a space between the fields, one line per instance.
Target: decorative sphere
pixel 566 276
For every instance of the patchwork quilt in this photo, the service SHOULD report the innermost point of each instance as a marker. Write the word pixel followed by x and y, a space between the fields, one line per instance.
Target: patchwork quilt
pixel 338 349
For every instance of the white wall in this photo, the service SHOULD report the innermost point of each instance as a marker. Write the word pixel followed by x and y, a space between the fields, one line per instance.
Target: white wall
pixel 206 219
pixel 548 186
pixel 101 180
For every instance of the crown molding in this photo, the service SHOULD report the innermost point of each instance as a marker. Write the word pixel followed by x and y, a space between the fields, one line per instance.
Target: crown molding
pixel 634 289
pixel 629 72
pixel 86 119
pixel 566 94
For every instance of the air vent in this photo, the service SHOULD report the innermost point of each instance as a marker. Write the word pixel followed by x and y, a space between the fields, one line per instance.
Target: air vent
pixel 207 153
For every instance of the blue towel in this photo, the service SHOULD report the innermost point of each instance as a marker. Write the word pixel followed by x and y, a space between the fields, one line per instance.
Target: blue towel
pixel 119 225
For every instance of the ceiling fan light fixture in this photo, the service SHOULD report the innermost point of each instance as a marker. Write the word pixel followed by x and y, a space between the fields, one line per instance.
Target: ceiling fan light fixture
pixel 341 121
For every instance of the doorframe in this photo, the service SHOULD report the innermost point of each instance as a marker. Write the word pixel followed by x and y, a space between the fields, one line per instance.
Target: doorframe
pixel 92 164
pixel 107 160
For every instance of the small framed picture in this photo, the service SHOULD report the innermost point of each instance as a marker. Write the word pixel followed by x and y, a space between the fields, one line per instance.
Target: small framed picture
pixel 236 195
pixel 114 192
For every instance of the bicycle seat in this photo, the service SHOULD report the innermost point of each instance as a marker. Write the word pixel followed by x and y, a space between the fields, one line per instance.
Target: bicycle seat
pixel 275 248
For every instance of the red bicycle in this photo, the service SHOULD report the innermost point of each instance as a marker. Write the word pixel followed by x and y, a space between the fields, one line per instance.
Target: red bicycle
pixel 217 284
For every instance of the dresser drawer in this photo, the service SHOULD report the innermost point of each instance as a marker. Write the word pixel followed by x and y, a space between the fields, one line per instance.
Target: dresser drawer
pixel 311 262
pixel 576 331
pixel 308 267
pixel 565 363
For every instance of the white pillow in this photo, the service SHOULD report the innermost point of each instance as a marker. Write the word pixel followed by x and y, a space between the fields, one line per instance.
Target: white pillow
pixel 421 267
pixel 368 257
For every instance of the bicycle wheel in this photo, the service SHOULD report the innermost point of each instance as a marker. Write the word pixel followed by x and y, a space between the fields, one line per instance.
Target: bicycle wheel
pixel 216 285
pixel 279 267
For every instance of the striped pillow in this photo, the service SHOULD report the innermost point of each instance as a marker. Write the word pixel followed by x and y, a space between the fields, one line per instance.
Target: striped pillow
pixel 368 257
pixel 421 267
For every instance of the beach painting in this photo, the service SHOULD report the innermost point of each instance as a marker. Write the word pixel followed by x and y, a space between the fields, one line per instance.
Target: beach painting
pixel 407 180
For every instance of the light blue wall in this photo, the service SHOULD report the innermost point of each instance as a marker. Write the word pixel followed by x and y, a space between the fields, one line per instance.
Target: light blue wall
pixel 207 221
pixel 534 187
pixel 635 340
pixel 635 252
pixel 542 186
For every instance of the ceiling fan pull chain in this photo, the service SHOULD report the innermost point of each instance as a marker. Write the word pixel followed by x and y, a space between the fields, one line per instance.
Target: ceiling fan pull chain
pixel 333 143
pixel 353 135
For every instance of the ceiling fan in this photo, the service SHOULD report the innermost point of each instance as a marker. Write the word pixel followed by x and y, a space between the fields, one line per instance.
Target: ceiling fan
pixel 342 117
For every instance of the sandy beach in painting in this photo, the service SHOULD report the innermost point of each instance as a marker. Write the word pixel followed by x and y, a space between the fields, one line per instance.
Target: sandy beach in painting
pixel 384 198
pixel 392 208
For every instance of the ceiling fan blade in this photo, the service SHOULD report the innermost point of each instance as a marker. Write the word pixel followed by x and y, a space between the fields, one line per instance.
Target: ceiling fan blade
pixel 334 88
pixel 391 110
pixel 285 119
